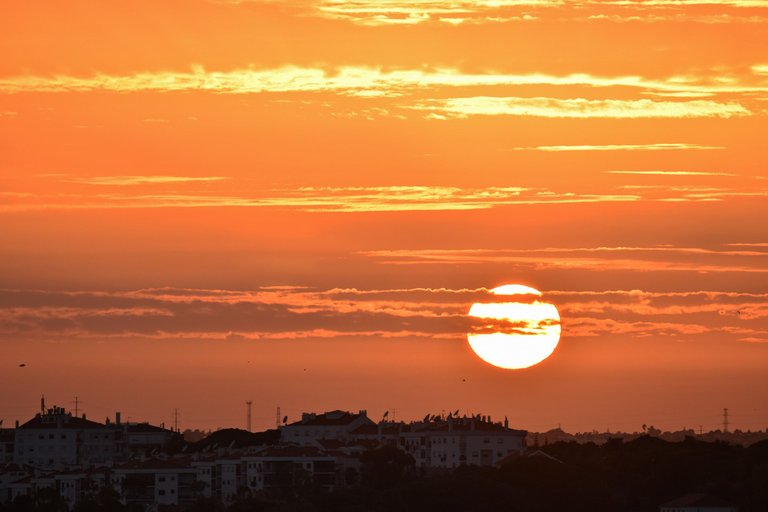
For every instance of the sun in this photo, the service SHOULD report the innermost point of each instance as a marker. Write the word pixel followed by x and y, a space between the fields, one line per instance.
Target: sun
pixel 517 331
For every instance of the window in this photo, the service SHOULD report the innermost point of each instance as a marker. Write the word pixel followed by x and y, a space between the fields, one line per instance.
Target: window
pixel 161 492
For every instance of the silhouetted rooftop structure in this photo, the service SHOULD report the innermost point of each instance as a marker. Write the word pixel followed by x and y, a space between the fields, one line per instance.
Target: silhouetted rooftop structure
pixel 332 418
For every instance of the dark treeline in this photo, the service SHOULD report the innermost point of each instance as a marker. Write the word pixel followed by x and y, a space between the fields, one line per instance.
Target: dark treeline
pixel 638 475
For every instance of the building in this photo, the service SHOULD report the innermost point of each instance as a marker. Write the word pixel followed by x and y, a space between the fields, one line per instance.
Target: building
pixel 330 425
pixel 449 442
pixel 7 436
pixel 9 475
pixel 152 483
pixel 288 467
pixel 74 486
pixel 55 438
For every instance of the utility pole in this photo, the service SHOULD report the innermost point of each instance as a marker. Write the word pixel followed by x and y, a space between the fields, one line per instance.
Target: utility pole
pixel 249 403
pixel 176 416
pixel 725 420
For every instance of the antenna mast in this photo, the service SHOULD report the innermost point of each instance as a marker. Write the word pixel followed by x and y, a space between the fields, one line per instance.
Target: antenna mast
pixel 249 403
pixel 277 417
pixel 725 420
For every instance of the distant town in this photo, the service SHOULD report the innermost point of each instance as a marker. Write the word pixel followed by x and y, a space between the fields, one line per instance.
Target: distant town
pixel 68 458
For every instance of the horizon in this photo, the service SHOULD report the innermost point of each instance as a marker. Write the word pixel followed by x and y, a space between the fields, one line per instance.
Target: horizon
pixel 388 416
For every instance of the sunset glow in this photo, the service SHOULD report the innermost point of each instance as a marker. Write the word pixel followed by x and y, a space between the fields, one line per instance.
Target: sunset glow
pixel 307 204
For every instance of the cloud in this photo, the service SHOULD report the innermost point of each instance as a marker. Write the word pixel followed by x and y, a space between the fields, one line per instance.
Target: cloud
pixel 399 12
pixel 580 108
pixel 674 146
pixel 315 199
pixel 375 82
pixel 645 259
pixel 684 3
pixel 140 180
pixel 432 313
pixel 346 199
pixel 673 173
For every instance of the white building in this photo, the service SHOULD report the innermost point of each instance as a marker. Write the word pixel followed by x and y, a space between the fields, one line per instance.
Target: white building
pixel 330 425
pixel 155 482
pixel 74 486
pixel 279 467
pixel 450 442
pixel 57 439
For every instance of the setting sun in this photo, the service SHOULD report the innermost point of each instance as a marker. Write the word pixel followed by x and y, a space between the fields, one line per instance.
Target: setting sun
pixel 527 329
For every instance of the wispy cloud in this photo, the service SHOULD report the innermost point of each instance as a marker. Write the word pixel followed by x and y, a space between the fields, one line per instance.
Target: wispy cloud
pixel 400 12
pixel 348 199
pixel 674 173
pixel 323 199
pixel 138 180
pixel 579 108
pixel 674 146
pixel 373 82
pixel 644 259
pixel 682 3
pixel 297 313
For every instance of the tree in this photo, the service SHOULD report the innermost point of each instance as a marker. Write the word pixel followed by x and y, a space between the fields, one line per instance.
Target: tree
pixel 385 467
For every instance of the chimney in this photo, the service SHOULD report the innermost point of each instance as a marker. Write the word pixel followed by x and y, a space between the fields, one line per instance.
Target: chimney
pixel 117 418
pixel 506 422
pixel 17 423
pixel 84 417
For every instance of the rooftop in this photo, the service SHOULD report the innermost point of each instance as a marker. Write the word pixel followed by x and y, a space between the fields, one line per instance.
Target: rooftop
pixel 332 418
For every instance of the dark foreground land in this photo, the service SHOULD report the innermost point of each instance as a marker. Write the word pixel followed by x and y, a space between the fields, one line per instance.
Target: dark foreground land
pixel 638 475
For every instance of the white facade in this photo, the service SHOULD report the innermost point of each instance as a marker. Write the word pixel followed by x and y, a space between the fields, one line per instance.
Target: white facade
pixel 292 465
pixel 46 447
pixel 330 425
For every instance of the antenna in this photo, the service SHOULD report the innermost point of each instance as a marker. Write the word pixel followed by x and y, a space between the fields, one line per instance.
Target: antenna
pixel 77 403
pixel 176 416
pixel 249 403
pixel 277 417
pixel 725 420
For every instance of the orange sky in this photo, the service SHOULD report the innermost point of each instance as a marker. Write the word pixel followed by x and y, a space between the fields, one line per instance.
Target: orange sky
pixel 204 202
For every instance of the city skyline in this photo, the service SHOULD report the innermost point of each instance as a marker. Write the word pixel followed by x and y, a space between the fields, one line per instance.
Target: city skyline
pixel 297 203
